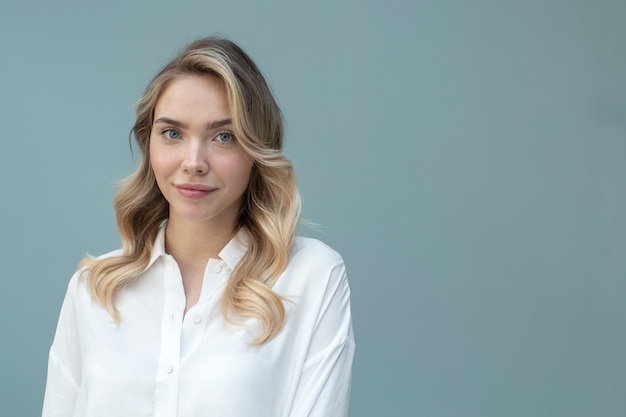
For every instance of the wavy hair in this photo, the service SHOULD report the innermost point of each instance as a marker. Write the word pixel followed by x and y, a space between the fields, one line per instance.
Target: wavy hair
pixel 270 208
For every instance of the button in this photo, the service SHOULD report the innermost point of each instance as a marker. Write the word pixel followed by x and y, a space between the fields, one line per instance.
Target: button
pixel 169 369
pixel 197 318
pixel 217 269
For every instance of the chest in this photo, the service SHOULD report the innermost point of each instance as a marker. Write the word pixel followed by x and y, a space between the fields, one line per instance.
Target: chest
pixel 181 364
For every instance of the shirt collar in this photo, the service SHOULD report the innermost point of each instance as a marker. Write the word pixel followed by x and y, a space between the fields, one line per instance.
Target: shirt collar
pixel 235 249
pixel 231 253
pixel 158 248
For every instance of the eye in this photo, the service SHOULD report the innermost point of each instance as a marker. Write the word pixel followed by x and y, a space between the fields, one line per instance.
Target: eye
pixel 225 137
pixel 171 134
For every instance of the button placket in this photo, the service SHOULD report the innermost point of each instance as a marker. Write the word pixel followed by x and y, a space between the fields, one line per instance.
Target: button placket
pixel 195 322
pixel 171 331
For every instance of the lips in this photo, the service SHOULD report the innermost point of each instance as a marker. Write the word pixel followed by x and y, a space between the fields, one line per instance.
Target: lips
pixel 194 190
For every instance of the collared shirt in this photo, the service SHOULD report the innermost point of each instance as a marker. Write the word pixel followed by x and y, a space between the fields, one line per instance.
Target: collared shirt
pixel 158 361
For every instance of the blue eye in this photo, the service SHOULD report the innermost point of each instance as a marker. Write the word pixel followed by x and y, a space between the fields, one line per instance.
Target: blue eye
pixel 225 137
pixel 171 134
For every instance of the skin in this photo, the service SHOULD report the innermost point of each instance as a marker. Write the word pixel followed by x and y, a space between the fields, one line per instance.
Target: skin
pixel 201 171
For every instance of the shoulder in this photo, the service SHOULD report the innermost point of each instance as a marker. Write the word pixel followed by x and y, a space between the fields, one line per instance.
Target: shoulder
pixel 306 249
pixel 313 266
pixel 316 280
pixel 76 283
pixel 76 279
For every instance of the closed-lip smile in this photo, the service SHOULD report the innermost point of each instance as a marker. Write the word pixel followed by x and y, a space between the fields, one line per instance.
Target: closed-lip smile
pixel 195 187
pixel 194 190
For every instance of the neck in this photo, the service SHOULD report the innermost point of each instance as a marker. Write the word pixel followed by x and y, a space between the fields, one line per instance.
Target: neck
pixel 194 243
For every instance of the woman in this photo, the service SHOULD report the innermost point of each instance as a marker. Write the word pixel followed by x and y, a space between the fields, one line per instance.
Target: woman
pixel 212 307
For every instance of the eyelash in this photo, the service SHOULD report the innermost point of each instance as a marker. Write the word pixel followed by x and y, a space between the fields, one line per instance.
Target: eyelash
pixel 165 133
pixel 232 137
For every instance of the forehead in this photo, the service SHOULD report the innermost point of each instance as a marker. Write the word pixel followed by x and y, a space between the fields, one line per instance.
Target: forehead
pixel 193 96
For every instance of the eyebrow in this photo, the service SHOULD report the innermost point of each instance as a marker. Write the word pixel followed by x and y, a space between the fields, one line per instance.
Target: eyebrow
pixel 210 126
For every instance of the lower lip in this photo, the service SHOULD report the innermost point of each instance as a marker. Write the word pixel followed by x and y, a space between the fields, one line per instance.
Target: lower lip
pixel 189 193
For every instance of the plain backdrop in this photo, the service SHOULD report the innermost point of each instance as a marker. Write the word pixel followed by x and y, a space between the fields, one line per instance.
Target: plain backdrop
pixel 467 158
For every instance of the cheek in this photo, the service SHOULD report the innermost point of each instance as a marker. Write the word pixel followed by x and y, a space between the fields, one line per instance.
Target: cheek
pixel 161 162
pixel 242 169
pixel 153 158
pixel 234 167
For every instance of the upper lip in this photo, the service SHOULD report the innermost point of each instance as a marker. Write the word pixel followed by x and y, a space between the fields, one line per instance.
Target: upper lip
pixel 195 187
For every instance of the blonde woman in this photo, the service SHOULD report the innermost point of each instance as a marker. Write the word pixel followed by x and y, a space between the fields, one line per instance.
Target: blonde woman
pixel 212 307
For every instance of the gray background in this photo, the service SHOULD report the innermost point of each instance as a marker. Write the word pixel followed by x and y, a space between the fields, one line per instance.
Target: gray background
pixel 466 158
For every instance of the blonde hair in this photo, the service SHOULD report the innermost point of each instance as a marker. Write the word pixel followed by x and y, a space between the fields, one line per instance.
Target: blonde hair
pixel 271 204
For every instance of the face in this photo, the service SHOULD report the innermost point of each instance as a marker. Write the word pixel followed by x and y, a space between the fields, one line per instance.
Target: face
pixel 200 168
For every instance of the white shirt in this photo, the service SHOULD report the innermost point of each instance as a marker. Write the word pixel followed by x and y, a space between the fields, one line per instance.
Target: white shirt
pixel 160 362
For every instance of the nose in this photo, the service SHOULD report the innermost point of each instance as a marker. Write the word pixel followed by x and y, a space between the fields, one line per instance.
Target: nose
pixel 195 161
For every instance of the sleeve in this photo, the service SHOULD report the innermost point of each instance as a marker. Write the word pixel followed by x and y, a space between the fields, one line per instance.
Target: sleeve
pixel 64 363
pixel 324 386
